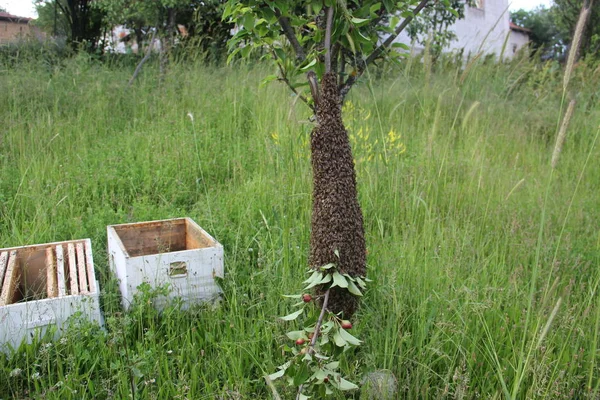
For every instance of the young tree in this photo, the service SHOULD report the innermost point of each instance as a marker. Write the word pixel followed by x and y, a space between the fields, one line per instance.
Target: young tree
pixel 432 27
pixel 544 36
pixel 330 44
pixel 566 14
pixel 143 16
pixel 51 19
pixel 83 23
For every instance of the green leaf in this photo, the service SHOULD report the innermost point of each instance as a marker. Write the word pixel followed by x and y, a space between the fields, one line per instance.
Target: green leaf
pixel 309 65
pixel 361 283
pixel 359 20
pixel 353 289
pixel 301 375
pixel 312 278
pixel 295 335
pixel 337 253
pixel 317 6
pixel 339 340
pixel 277 374
pixel 280 53
pixel 319 374
pixel 302 396
pixel 352 47
pixel 326 279
pixel 339 280
pixel 374 8
pixel 346 385
pixel 400 45
pixel 348 337
pixel 293 296
pixel 293 316
pixel 318 281
pixel 327 266
pixel 332 365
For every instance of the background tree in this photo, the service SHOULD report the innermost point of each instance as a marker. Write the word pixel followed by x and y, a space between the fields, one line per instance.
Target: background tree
pixel 142 16
pixel 78 20
pixel 431 28
pixel 545 35
pixel 51 19
pixel 200 19
pixel 333 42
pixel 206 28
pixel 566 13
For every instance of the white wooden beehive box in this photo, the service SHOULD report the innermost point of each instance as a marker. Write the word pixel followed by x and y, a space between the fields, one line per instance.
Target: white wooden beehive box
pixel 176 252
pixel 42 286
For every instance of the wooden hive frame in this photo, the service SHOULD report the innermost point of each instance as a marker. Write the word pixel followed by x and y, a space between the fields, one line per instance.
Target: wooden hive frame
pixel 46 271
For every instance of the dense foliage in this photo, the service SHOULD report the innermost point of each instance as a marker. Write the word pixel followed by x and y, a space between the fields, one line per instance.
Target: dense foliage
pixel 433 26
pixel 553 29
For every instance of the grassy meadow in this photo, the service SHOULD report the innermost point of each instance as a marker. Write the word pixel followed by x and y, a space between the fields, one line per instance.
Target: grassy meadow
pixel 485 260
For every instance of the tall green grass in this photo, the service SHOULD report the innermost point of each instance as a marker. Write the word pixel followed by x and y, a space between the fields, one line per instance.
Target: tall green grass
pixel 454 168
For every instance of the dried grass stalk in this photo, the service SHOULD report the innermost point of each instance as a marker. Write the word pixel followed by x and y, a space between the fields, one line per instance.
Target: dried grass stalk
pixel 576 42
pixel 560 140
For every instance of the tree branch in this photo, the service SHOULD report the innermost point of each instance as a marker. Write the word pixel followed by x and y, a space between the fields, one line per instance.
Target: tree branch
pixel 284 79
pixel 288 31
pixel 379 50
pixel 328 39
pixel 311 348
pixel 146 57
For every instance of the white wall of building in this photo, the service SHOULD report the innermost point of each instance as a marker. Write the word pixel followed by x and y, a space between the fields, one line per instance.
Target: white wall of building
pixel 485 28
pixel 516 41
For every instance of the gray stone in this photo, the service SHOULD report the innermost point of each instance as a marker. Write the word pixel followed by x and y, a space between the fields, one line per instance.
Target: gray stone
pixel 379 385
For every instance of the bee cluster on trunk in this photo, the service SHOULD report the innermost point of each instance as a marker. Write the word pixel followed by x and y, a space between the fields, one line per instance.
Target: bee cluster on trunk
pixel 337 223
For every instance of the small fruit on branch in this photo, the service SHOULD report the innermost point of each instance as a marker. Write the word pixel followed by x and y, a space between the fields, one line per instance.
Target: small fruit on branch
pixel 346 324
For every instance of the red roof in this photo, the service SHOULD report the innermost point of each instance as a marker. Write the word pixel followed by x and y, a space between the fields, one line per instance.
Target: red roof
pixel 4 16
pixel 516 27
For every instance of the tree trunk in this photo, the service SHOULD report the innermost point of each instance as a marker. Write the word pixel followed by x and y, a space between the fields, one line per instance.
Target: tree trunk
pixel 337 221
pixel 166 44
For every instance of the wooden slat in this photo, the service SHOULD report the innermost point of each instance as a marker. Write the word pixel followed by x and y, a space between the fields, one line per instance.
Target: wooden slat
pixel 51 283
pixel 90 269
pixel 194 238
pixel 3 262
pixel 11 279
pixel 72 269
pixel 60 271
pixel 83 285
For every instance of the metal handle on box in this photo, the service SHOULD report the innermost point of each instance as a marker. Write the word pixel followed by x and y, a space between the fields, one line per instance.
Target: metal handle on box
pixel 178 269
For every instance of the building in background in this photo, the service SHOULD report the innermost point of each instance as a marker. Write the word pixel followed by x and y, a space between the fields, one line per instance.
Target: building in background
pixel 486 28
pixel 14 28
pixel 519 38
